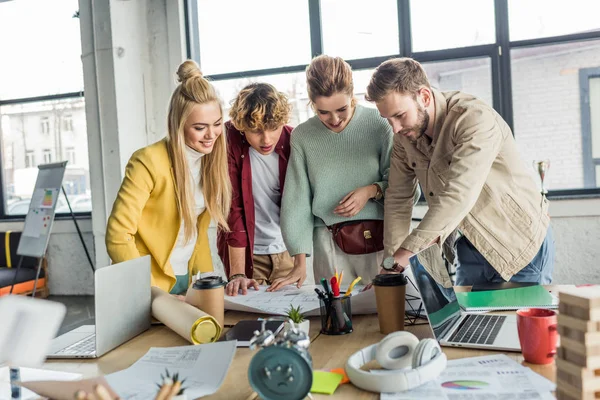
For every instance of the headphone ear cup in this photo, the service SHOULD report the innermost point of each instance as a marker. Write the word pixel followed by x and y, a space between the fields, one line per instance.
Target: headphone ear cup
pixel 425 351
pixel 396 349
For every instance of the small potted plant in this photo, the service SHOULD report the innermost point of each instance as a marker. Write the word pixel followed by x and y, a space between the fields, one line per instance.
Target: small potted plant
pixel 297 316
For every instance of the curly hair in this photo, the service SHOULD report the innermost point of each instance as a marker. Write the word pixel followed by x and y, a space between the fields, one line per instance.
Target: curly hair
pixel 259 107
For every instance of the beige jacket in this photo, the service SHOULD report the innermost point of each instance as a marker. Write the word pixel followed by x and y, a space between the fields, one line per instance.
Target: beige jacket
pixel 473 179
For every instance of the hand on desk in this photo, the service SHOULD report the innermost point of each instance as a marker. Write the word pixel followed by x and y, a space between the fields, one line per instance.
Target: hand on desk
pixel 234 286
pixel 297 275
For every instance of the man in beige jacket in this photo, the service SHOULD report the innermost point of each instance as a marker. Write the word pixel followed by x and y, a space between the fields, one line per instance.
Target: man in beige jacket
pixel 464 156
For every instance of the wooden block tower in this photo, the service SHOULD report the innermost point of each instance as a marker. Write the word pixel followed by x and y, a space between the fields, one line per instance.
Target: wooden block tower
pixel 578 361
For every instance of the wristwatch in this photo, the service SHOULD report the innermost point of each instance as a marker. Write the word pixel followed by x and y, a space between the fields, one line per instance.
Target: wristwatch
pixel 379 194
pixel 389 264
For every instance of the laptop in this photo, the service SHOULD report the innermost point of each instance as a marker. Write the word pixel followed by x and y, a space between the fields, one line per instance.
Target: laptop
pixel 453 327
pixel 123 310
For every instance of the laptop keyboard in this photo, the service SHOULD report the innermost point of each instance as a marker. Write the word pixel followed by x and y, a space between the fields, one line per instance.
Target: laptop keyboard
pixel 86 346
pixel 478 329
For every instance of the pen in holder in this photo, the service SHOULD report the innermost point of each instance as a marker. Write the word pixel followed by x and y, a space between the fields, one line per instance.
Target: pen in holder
pixel 336 315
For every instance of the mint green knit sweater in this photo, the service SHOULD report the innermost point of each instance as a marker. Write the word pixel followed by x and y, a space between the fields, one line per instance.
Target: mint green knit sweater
pixel 325 166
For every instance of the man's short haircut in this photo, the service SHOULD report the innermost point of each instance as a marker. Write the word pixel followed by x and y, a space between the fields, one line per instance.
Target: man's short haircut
pixel 259 107
pixel 403 75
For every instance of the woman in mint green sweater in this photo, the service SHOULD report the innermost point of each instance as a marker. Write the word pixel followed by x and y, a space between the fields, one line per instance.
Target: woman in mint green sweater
pixel 338 172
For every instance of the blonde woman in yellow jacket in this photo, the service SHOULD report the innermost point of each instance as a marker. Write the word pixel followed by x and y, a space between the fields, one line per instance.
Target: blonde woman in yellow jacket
pixel 173 188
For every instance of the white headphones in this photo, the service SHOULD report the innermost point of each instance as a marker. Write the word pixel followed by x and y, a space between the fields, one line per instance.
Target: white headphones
pixel 396 351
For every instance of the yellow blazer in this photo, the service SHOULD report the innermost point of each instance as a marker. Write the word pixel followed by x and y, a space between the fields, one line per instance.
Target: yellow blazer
pixel 145 218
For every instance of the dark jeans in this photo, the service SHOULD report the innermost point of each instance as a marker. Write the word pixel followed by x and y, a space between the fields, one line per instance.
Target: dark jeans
pixel 473 268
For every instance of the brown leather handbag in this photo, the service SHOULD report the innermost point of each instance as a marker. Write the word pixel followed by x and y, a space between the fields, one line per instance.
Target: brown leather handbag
pixel 359 236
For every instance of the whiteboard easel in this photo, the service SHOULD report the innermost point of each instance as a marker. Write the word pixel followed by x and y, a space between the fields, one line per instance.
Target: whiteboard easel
pixel 40 217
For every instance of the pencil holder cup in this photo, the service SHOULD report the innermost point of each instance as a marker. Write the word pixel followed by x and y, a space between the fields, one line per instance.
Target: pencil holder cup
pixel 336 315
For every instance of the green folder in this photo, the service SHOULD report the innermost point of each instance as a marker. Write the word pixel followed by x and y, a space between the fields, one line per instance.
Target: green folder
pixel 508 299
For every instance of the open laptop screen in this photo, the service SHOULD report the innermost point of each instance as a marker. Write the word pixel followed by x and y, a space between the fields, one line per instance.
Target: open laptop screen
pixel 440 302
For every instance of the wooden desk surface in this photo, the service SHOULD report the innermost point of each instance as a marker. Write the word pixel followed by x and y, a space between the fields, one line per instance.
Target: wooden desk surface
pixel 327 352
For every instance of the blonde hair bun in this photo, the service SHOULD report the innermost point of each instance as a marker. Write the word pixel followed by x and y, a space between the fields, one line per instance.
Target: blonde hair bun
pixel 188 70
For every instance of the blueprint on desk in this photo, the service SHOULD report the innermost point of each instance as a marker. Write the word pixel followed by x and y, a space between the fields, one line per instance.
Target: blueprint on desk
pixel 276 303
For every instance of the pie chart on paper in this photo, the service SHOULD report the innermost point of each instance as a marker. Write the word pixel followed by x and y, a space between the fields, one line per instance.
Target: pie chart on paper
pixel 465 385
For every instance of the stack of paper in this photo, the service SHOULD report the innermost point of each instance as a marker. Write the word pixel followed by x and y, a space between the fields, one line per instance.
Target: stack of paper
pixel 203 367
pixel 277 303
pixel 481 378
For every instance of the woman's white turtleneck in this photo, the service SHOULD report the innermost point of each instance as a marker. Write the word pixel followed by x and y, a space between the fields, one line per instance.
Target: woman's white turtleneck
pixel 183 251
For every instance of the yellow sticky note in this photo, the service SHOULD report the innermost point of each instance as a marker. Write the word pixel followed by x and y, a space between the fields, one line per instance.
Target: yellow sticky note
pixel 325 382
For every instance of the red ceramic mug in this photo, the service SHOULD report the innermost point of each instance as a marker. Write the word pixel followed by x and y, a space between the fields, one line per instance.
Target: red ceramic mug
pixel 537 334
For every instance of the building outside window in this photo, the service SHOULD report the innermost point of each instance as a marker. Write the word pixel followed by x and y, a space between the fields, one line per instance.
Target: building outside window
pixel 43 121
pixel 47 155
pixel 45 125
pixel 29 159
pixel 71 155
pixel 67 123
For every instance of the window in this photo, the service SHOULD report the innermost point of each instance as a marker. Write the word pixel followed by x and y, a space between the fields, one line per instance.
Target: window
pixel 71 155
pixel 442 24
pixel 293 85
pixel 67 123
pixel 589 80
pixel 537 62
pixel 534 19
pixel 355 29
pixel 36 117
pixel 54 45
pixel 241 35
pixel 547 110
pixel 45 125
pixel 47 154
pixel 29 159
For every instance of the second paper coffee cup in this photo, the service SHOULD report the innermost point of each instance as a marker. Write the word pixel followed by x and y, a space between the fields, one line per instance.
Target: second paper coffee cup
pixel 390 294
pixel 208 295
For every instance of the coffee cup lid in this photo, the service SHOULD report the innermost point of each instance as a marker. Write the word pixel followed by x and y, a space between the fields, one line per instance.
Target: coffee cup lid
pixel 390 280
pixel 209 282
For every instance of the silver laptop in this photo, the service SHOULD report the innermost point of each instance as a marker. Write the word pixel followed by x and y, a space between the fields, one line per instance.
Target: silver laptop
pixel 122 302
pixel 453 327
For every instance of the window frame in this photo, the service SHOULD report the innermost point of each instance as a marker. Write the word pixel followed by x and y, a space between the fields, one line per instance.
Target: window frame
pixel 589 162
pixel 499 53
pixel 4 216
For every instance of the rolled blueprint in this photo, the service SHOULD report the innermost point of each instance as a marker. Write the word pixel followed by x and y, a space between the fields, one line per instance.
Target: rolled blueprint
pixel 186 320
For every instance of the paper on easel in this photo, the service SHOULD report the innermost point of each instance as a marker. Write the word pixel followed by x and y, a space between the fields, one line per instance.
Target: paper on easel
pixel 37 222
pixel 203 367
pixel 44 198
pixel 276 303
pixel 186 320
pixel 33 381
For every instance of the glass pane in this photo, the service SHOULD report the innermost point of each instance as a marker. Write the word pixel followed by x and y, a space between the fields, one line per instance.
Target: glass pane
pixel 293 85
pixel 532 19
pixel 442 24
pixel 595 115
pixel 242 35
pixel 598 175
pixel 33 134
pixel 40 47
pixel 355 29
pixel 546 108
pixel 472 76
